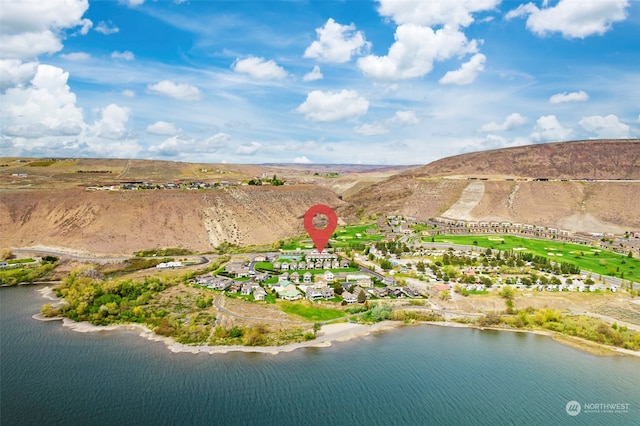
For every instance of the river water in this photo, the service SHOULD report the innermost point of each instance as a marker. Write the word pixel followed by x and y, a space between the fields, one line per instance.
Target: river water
pixel 417 375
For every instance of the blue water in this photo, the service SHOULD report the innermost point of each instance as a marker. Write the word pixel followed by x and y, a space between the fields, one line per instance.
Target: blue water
pixel 417 375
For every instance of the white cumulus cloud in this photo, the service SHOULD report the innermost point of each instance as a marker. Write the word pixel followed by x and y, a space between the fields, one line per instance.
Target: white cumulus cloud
pixel 44 103
pixel 180 144
pixel 31 28
pixel 336 43
pixel 129 93
pixel 259 68
pixel 454 13
pixel 608 127
pixel 314 74
pixel 107 28
pixel 248 149
pixel 513 121
pixel 302 160
pixel 415 50
pixel 333 106
pixel 548 129
pixel 180 91
pixel 405 118
pixel 111 124
pixel 14 72
pixel 163 128
pixel 467 73
pixel 126 55
pixel 572 18
pixel 563 97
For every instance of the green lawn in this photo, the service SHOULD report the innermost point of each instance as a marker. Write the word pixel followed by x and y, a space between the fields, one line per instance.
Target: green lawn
pixel 344 236
pixel 310 313
pixel 586 257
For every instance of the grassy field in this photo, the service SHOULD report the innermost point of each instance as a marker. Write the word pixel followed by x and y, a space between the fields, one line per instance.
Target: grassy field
pixel 310 312
pixel 586 257
pixel 344 237
pixel 357 234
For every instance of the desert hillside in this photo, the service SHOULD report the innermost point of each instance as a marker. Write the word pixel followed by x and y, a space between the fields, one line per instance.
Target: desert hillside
pixel 596 159
pixel 588 186
pixel 584 186
pixel 121 222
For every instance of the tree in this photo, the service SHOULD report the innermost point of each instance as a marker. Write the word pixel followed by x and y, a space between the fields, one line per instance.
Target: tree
pixel 385 264
pixel 445 295
pixel 337 289
pixel 381 312
pixel 5 254
pixel 507 292
pixel 362 297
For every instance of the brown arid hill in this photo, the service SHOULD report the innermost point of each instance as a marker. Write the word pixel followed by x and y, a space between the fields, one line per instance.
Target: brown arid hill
pixel 595 159
pixel 119 223
pixel 501 185
pixel 45 202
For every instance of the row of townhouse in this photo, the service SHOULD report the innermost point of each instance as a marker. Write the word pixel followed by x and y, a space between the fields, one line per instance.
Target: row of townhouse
pixel 456 226
pixel 310 264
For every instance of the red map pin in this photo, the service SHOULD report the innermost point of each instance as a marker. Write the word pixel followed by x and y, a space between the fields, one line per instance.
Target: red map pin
pixel 320 237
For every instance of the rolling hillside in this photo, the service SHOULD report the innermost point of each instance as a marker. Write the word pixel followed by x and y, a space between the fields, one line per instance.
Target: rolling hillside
pixel 589 186
pixel 592 187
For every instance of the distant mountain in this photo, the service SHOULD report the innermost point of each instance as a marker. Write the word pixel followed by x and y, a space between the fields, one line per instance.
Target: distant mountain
pixel 594 159
pixel 589 186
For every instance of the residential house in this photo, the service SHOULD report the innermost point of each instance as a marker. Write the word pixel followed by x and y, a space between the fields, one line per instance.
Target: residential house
pixel 410 292
pixel 357 289
pixel 328 276
pixel 295 277
pixel 328 293
pixel 396 292
pixel 237 269
pixel 235 287
pixel 307 278
pixel 247 289
pixel 166 265
pixel 349 297
pixel 380 291
pixel 259 293
pixel 283 277
pixel 388 281
pixel 289 292
pixel 313 293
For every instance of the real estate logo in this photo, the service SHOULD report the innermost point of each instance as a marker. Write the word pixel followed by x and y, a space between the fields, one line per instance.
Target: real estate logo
pixel 573 408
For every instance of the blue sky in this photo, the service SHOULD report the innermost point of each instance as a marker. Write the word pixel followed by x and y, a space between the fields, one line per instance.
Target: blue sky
pixel 372 82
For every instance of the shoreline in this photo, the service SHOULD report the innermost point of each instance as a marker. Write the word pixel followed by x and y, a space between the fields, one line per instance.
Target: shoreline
pixel 328 334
